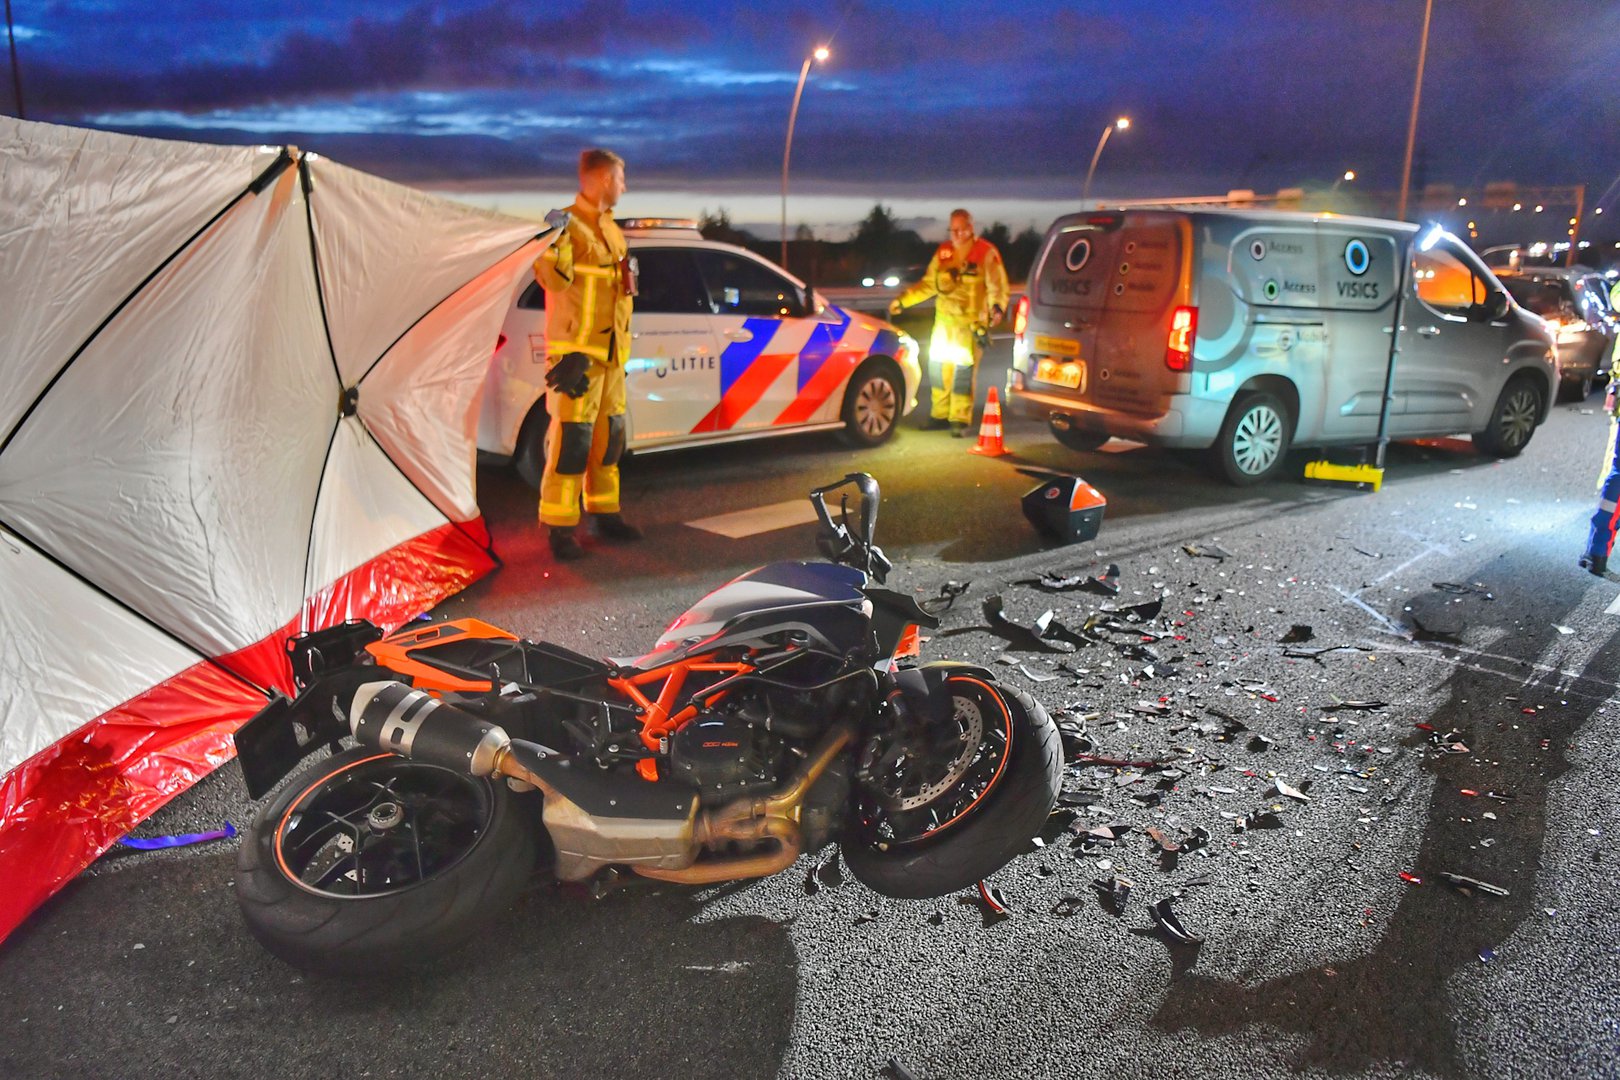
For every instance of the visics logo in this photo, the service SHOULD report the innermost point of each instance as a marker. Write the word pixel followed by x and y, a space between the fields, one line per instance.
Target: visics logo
pixel 1358 290
pixel 1357 259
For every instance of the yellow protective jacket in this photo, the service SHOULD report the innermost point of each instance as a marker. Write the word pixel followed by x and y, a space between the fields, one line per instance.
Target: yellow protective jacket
pixel 965 289
pixel 587 277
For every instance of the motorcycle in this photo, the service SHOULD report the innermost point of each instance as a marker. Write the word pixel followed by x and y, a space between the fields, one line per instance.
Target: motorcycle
pixel 787 710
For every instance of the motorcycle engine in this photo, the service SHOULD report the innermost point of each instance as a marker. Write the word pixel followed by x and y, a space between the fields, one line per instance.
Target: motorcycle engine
pixel 723 756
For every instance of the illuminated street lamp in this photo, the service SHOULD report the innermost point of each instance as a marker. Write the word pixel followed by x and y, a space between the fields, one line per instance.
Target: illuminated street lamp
pixel 1349 174
pixel 1121 124
pixel 819 56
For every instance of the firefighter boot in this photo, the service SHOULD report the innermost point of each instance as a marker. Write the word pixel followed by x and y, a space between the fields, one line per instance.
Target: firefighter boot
pixel 564 547
pixel 614 527
pixel 1595 564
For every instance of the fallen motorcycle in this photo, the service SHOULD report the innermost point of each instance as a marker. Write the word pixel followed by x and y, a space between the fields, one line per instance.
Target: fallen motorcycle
pixel 787 710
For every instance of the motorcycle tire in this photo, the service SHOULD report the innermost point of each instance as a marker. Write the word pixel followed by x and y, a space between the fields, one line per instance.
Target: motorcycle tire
pixel 1000 826
pixel 480 841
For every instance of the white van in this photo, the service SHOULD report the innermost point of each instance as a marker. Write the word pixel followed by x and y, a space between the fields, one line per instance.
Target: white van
pixel 1247 332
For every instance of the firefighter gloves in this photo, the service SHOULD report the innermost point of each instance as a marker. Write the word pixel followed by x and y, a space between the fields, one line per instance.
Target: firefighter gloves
pixel 568 375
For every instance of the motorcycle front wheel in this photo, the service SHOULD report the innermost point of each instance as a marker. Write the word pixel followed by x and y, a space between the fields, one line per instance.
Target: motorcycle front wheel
pixel 368 863
pixel 942 820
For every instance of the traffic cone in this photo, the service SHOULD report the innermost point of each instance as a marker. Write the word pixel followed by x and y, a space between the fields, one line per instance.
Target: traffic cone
pixel 990 429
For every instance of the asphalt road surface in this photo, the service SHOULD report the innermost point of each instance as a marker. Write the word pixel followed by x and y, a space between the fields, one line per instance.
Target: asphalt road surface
pixel 1318 957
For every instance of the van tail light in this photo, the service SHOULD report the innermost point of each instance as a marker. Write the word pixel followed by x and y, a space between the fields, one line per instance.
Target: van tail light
pixel 1178 347
pixel 1021 316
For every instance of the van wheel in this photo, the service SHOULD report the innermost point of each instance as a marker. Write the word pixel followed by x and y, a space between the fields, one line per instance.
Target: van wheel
pixel 1254 439
pixel 1074 438
pixel 872 404
pixel 529 458
pixel 1512 422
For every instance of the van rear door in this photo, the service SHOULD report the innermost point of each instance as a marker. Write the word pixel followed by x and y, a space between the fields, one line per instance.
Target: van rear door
pixel 1146 281
pixel 1070 286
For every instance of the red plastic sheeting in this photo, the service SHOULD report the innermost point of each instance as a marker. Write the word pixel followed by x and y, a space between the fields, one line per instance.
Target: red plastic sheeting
pixel 73 800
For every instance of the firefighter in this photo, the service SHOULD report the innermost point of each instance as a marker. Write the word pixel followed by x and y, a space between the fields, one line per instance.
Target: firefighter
pixel 1600 539
pixel 968 279
pixel 589 280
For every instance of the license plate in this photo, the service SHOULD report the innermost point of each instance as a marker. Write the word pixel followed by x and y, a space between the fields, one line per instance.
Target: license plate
pixel 1069 373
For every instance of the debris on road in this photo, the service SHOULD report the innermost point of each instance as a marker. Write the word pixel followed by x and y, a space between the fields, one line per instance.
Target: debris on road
pixel 157 843
pixel 1171 926
pixel 1207 551
pixel 1468 886
pixel 1297 634
pixel 1113 893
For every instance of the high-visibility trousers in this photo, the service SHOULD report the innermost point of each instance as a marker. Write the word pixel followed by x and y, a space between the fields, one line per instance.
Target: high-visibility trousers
pixel 1600 541
pixel 583 445
pixel 953 356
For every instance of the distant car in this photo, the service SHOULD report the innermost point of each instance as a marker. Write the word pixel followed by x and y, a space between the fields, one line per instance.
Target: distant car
pixel 725 346
pixel 895 277
pixel 1576 309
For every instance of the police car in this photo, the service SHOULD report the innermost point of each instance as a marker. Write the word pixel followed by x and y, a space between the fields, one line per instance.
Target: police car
pixel 724 347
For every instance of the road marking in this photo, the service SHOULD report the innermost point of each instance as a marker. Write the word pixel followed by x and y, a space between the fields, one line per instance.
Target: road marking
pixel 760 519
pixel 1613 608
pixel 1120 446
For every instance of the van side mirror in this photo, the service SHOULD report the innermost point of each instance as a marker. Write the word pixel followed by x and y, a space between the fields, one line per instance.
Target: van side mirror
pixel 1496 307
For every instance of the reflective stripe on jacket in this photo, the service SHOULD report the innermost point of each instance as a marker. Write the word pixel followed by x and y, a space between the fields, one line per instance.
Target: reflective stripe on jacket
pixel 587 303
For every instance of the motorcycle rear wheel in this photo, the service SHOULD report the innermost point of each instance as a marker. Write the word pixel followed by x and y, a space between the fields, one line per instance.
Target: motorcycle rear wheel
pixel 367 863
pixel 983 829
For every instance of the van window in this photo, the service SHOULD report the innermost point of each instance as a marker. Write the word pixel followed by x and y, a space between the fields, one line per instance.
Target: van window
pixel 741 286
pixel 1074 269
pixel 1445 282
pixel 669 283
pixel 1549 299
pixel 533 298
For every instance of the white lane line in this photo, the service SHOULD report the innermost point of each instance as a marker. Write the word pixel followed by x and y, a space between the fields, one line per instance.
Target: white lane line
pixel 758 520
pixel 1120 446
pixel 1613 608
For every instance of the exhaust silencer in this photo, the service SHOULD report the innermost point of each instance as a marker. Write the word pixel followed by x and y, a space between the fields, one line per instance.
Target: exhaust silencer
pixel 402 720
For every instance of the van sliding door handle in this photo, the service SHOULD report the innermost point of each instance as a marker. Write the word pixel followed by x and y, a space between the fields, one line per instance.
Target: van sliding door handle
pixel 1429 331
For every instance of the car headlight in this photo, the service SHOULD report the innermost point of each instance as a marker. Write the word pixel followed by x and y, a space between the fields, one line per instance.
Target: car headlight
pixel 867 282
pixel 890 282
pixel 907 350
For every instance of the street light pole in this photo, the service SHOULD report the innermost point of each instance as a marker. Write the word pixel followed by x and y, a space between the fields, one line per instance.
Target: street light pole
pixel 1122 123
pixel 16 72
pixel 787 150
pixel 1411 126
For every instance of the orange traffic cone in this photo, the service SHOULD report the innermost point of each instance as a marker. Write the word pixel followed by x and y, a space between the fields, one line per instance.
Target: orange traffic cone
pixel 990 429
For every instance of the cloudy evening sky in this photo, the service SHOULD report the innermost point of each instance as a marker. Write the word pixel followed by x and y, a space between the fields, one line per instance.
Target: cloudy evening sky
pixel 933 99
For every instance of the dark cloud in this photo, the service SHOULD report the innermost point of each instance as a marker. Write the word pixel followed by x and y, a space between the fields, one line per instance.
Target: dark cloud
pixel 1224 93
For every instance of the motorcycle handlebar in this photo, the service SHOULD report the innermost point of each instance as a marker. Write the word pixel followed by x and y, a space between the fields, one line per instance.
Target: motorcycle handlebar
pixel 870 496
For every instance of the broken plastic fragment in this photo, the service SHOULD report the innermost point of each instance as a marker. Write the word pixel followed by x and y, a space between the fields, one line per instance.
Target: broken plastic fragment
pixel 1284 788
pixel 1297 634
pixel 1355 706
pixel 1166 918
pixel 1465 884
pixel 1410 878
pixel 1207 551
pixel 154 843
pixel 1113 892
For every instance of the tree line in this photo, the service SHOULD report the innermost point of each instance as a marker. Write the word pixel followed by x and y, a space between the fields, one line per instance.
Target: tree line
pixel 879 246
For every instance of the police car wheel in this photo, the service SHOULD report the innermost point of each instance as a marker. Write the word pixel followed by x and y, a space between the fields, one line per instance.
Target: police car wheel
pixel 872 404
pixel 1254 439
pixel 529 458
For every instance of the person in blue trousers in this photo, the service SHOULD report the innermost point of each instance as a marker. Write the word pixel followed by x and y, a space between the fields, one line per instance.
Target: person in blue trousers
pixel 1600 541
